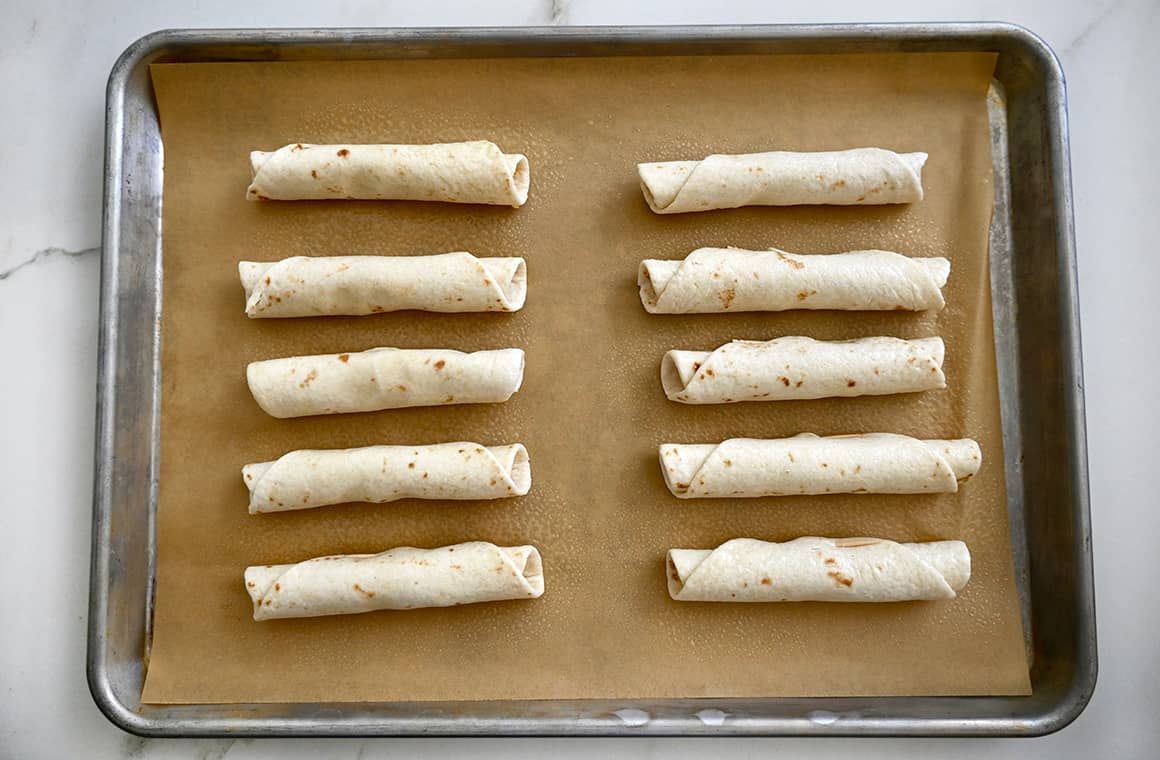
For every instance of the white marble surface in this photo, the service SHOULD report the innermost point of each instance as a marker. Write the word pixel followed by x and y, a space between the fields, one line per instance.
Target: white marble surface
pixel 54 58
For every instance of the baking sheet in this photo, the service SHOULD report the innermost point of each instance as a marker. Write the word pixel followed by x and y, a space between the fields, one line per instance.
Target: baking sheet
pixel 591 411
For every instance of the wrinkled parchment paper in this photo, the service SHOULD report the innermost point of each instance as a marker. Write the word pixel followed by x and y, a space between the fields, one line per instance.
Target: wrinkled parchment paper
pixel 591 411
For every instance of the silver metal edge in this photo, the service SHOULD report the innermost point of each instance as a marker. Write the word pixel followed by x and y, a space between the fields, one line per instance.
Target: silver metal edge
pixel 1054 719
pixel 101 689
pixel 1083 684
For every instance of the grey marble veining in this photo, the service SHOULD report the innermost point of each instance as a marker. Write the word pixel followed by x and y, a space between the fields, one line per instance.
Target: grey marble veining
pixel 44 253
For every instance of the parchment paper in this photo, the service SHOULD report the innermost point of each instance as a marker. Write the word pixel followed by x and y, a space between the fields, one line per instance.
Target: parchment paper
pixel 591 410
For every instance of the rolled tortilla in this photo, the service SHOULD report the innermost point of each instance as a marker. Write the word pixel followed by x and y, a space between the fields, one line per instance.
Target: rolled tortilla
pixel 378 474
pixel 802 368
pixel 716 280
pixel 397 579
pixel 813 569
pixel 304 286
pixel 465 172
pixel 807 464
pixel 383 378
pixel 862 176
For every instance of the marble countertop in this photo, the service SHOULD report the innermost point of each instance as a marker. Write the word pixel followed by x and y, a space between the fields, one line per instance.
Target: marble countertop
pixel 54 59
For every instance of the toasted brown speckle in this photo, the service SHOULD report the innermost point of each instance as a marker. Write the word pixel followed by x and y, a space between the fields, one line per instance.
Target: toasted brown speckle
pixel 841 580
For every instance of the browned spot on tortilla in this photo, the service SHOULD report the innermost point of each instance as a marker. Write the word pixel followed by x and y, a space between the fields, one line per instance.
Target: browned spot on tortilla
pixel 424 476
pixel 831 561
pixel 314 173
pixel 900 307
pixel 840 579
pixel 798 384
pixel 249 476
pixel 262 198
pixel 876 371
pixel 839 183
pixel 675 576
pixel 788 260
pixel 783 380
pixel 727 297
pixel 766 581
pixel 728 462
pixel 363 591
pixel 297 146
pixel 440 364
pixel 825 465
pixel 377 309
pixel 277 586
pixel 250 584
pixel 344 358
pixel 343 153
pixel 411 466
pixel 790 455
pixel 709 372
pixel 402 388
pixel 456 567
pixel 860 198
pixel 267 280
pixel 682 485
pixel 306 381
pixel 850 383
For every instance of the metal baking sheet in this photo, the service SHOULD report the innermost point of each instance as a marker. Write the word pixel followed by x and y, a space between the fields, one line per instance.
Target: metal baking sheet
pixel 1036 331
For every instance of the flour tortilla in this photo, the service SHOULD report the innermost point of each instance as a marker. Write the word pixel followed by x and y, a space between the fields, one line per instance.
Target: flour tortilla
pixel 808 464
pixel 813 569
pixel 383 378
pixel 397 579
pixel 802 368
pixel 377 474
pixel 862 176
pixel 718 280
pixel 306 286
pixel 465 172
